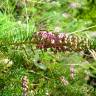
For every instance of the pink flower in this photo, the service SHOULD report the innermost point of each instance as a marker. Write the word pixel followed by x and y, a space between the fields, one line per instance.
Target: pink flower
pixel 50 35
pixel 43 34
pixel 52 41
pixel 61 35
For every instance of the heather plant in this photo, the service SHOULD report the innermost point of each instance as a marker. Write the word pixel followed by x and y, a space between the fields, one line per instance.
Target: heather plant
pixel 47 48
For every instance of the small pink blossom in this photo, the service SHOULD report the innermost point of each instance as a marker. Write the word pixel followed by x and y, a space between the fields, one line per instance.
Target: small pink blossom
pixel 52 41
pixel 61 35
pixel 44 35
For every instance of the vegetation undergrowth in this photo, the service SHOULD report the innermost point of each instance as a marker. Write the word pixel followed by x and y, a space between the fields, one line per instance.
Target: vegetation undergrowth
pixel 31 66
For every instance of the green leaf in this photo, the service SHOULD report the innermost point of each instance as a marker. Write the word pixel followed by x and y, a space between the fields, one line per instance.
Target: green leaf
pixel 41 66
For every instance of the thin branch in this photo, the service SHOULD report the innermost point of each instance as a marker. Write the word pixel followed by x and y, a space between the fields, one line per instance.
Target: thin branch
pixel 83 29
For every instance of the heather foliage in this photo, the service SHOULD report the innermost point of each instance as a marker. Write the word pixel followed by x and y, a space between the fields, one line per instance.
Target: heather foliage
pixel 47 48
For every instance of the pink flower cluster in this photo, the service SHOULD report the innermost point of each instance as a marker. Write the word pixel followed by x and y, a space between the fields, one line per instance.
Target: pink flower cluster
pixel 25 85
pixel 61 42
pixel 57 42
